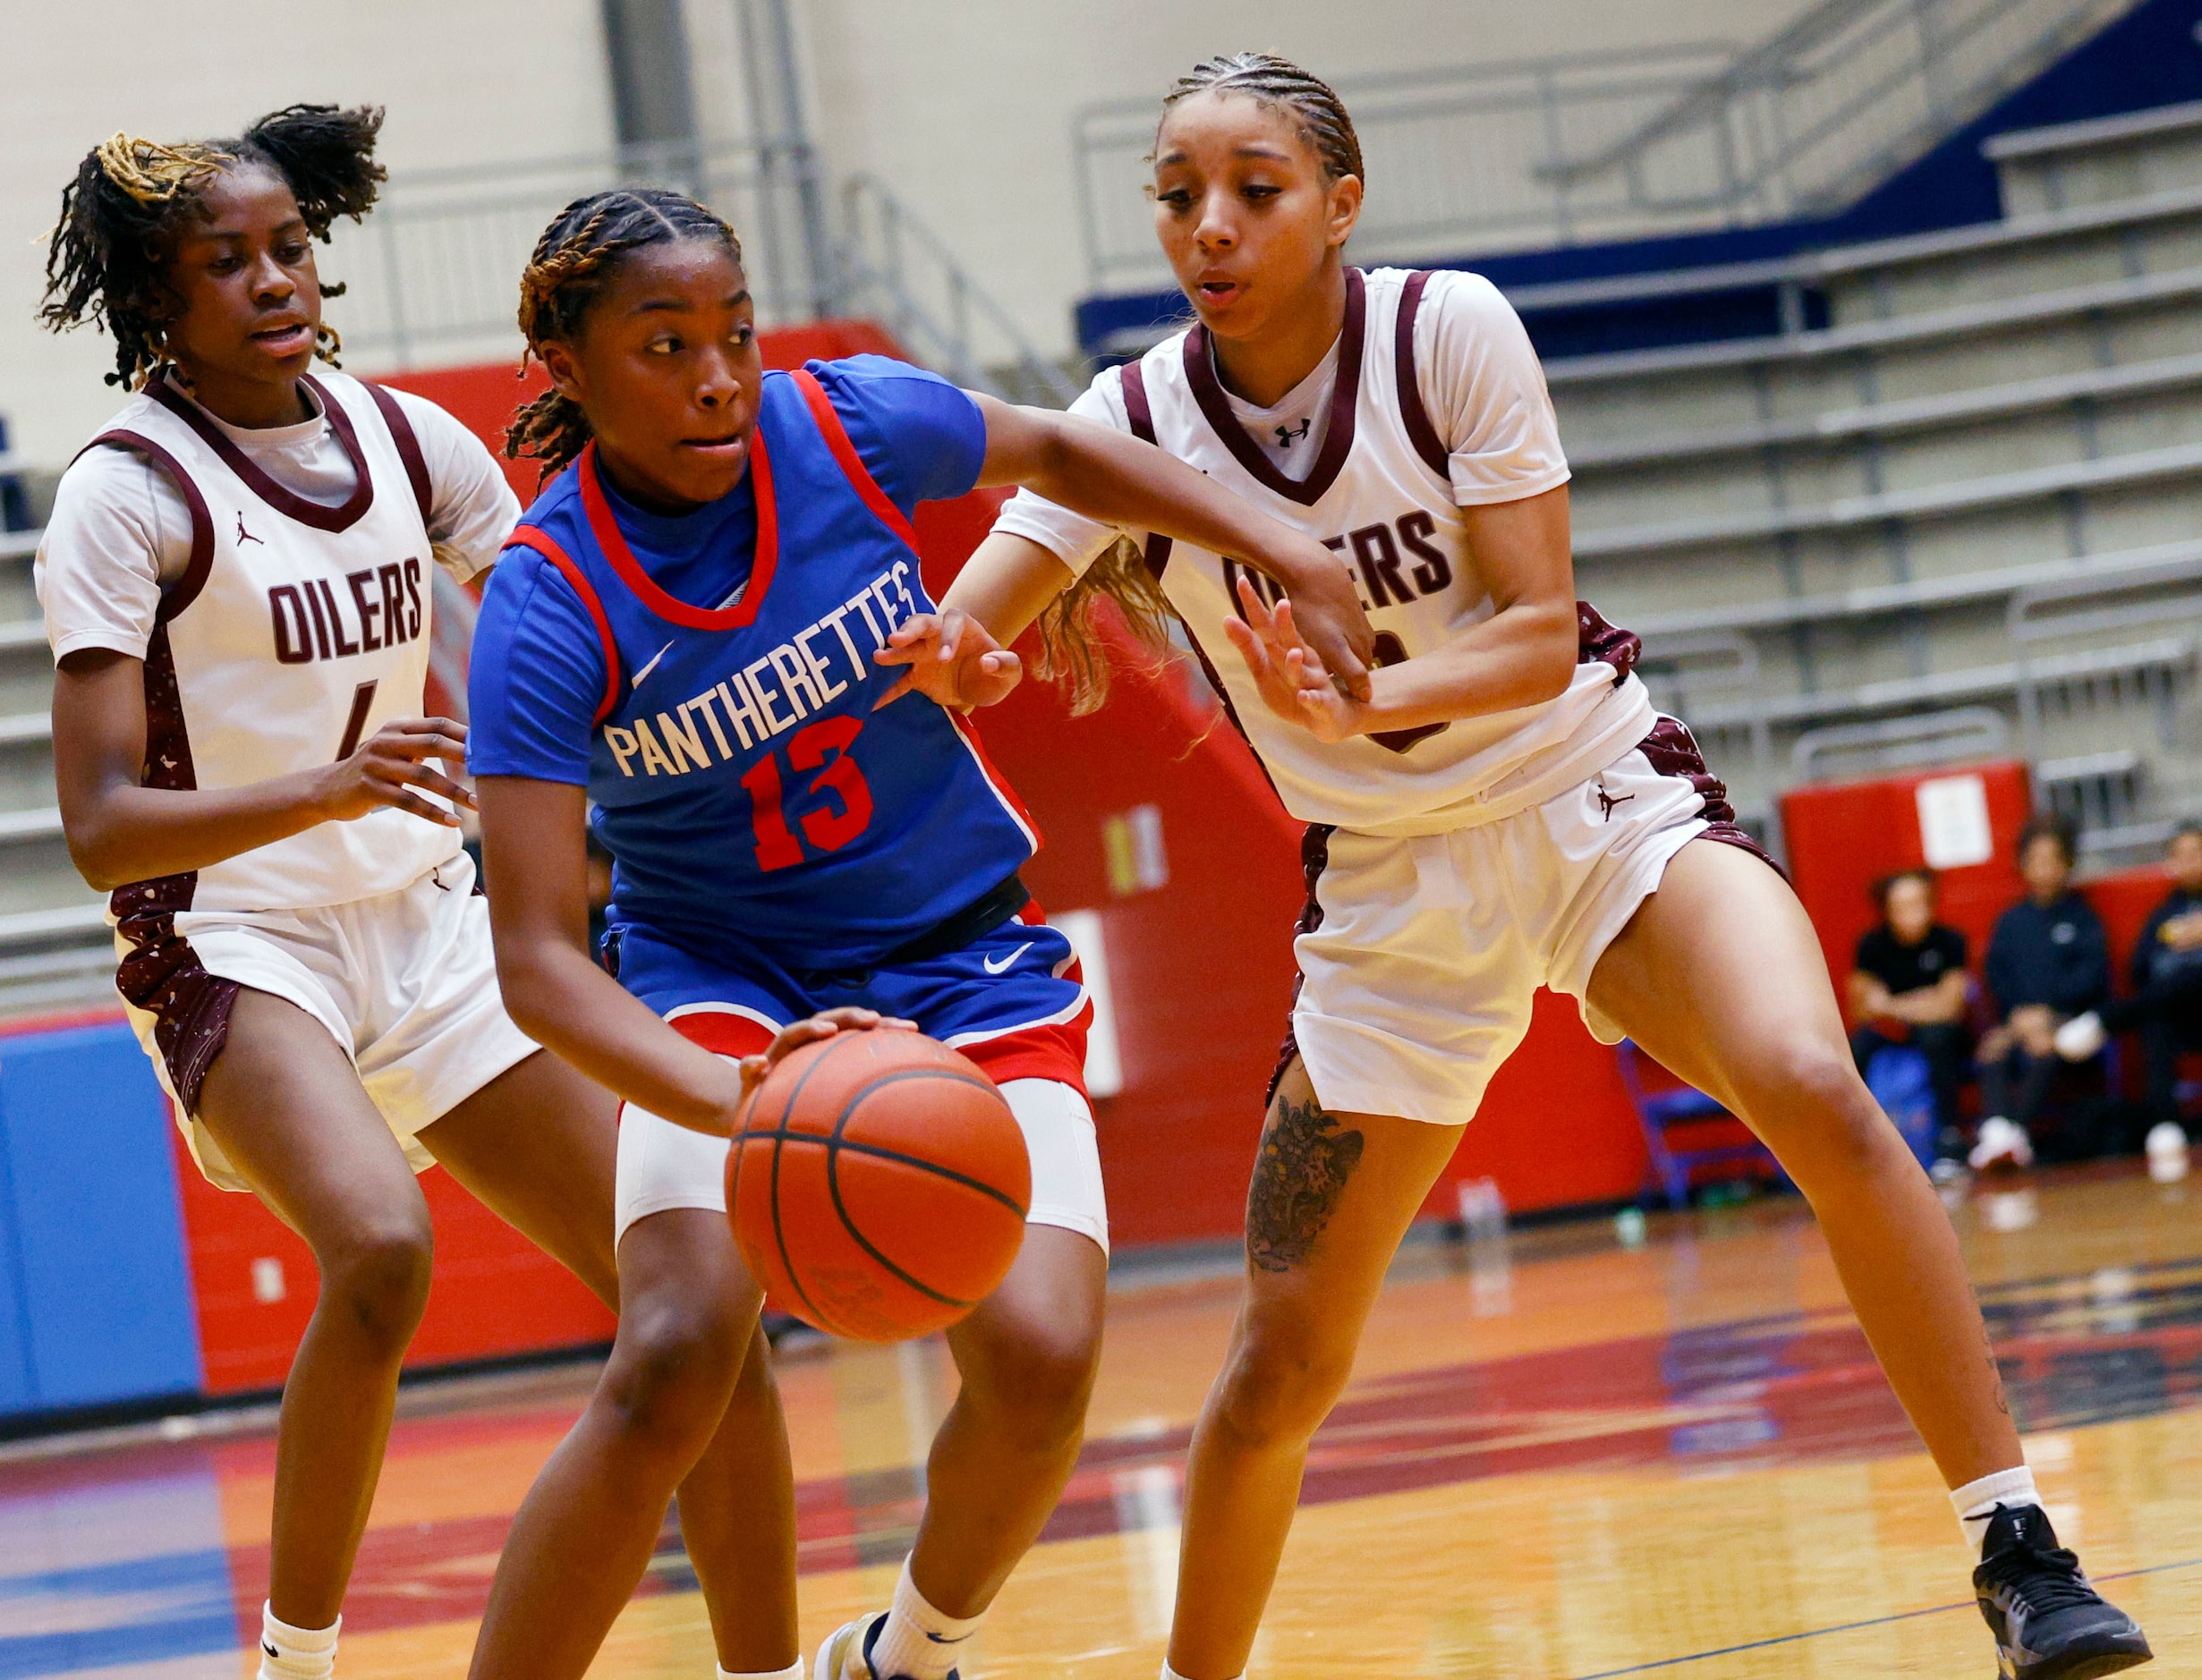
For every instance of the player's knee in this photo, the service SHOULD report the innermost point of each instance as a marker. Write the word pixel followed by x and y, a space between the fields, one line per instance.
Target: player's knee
pixel 376 1277
pixel 1281 1383
pixel 1053 1379
pixel 672 1372
pixel 1812 1106
pixel 1039 1383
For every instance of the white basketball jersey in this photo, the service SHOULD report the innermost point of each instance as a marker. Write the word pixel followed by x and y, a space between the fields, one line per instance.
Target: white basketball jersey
pixel 296 631
pixel 1380 495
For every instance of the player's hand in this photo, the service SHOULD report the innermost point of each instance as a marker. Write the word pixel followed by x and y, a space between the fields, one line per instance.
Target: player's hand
pixel 951 660
pixel 1288 674
pixel 822 1025
pixel 396 766
pixel 1328 610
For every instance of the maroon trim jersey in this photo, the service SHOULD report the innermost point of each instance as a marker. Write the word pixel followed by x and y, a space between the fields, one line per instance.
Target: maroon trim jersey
pixel 1383 491
pixel 297 630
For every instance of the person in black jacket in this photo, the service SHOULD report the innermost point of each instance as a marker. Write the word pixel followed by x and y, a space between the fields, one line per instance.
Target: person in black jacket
pixel 2166 1003
pixel 1908 986
pixel 2048 961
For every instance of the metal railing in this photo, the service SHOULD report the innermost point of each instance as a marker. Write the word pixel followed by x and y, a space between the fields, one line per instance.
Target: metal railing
pixel 896 270
pixel 433 275
pixel 1588 147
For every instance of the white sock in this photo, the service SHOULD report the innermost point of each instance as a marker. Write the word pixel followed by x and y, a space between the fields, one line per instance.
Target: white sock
pixel 296 1653
pixel 794 1671
pixel 1169 1673
pixel 918 1640
pixel 1975 1501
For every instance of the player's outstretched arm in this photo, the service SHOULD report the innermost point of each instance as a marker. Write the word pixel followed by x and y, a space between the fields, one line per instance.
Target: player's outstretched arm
pixel 120 832
pixel 1108 475
pixel 535 854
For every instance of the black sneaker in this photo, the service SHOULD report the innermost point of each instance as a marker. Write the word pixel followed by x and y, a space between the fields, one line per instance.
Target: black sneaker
pixel 2049 1624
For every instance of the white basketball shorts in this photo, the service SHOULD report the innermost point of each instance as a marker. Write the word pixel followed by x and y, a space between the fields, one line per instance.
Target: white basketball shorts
pixel 664 1166
pixel 405 983
pixel 1419 957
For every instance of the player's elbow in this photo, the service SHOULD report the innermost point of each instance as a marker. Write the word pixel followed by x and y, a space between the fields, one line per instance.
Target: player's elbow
pixel 1552 654
pixel 526 977
pixel 97 850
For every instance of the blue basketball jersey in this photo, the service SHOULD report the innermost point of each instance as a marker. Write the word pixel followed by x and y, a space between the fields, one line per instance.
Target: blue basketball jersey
pixel 748 794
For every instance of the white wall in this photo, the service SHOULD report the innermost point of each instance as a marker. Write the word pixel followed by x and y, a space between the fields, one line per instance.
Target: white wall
pixel 475 82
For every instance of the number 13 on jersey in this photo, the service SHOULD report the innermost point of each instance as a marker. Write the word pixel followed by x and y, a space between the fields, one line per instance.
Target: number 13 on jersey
pixel 840 798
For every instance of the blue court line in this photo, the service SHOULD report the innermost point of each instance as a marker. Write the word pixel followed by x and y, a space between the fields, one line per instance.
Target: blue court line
pixel 1852 1627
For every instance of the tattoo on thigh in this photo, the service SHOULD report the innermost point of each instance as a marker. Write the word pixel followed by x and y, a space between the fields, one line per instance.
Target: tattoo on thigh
pixel 1305 1160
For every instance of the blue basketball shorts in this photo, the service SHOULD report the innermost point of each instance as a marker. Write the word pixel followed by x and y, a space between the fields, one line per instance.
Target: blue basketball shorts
pixel 1012 1000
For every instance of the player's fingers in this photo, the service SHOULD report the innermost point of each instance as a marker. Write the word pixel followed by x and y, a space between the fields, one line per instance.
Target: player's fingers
pixel 1248 644
pixel 848 1018
pixel 1252 606
pixel 900 653
pixel 410 802
pixel 915 629
pixel 406 773
pixel 415 748
pixel 450 726
pixel 895 693
pixel 443 788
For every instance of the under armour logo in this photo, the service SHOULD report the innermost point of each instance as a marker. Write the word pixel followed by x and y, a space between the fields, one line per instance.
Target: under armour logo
pixel 1606 803
pixel 1286 436
pixel 245 536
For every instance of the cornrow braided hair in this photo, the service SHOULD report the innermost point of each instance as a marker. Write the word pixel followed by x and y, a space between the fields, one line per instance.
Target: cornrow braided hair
pixel 573 261
pixel 1069 653
pixel 1324 125
pixel 108 256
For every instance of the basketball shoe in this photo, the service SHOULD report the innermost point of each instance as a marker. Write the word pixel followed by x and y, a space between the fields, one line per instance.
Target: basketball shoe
pixel 846 1654
pixel 2049 1623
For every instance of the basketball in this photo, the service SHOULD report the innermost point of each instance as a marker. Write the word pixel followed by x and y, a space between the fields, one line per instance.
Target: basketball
pixel 878 1185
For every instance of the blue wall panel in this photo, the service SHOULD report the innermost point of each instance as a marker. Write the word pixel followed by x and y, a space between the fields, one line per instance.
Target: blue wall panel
pixel 97 1226
pixel 16 1391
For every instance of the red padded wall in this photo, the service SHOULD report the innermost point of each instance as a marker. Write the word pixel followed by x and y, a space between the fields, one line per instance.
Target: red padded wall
pixel 494 1292
pixel 1844 836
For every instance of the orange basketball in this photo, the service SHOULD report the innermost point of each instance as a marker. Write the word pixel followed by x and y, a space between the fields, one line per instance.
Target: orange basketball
pixel 878 1185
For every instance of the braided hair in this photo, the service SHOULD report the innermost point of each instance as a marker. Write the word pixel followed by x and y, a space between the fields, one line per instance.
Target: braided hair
pixel 1324 126
pixel 108 256
pixel 573 261
pixel 1069 644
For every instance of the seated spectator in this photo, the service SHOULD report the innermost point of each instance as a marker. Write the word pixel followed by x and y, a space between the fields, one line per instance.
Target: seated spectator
pixel 1909 986
pixel 2166 1004
pixel 2048 961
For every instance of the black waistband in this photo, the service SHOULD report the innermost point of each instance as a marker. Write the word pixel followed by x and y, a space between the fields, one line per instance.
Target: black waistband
pixel 953 933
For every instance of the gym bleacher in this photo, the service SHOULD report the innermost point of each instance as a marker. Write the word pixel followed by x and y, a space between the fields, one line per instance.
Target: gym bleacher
pixel 1975 487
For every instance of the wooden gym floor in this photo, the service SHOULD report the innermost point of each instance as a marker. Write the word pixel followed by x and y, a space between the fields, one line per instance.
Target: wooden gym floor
pixel 1567 1455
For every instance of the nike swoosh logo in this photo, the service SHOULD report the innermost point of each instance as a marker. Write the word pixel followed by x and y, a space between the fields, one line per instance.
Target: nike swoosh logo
pixel 993 967
pixel 647 669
